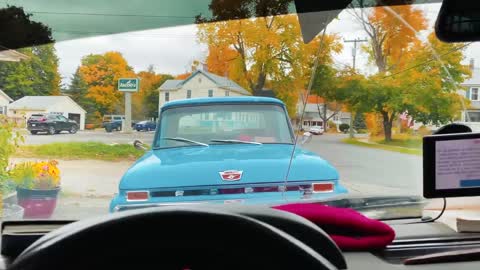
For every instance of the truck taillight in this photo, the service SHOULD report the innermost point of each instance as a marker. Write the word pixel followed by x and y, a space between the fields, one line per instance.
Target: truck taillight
pixel 137 195
pixel 322 187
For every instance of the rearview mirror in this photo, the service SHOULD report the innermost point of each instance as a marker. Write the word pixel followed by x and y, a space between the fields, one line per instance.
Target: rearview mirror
pixel 306 138
pixel 139 145
pixel 458 21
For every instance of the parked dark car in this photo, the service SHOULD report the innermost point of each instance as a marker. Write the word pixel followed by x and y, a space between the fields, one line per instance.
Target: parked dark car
pixel 114 125
pixel 113 122
pixel 145 126
pixel 50 123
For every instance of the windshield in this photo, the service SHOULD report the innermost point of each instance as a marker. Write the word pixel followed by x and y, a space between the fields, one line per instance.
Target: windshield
pixel 212 124
pixel 248 102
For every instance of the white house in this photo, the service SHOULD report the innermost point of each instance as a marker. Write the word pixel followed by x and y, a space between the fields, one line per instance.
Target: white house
pixel 28 105
pixel 4 101
pixel 314 109
pixel 471 116
pixel 200 84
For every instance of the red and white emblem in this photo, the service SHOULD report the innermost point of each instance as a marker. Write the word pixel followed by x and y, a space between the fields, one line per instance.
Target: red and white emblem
pixel 231 175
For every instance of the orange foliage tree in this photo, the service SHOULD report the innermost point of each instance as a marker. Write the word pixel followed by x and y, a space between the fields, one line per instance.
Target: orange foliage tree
pixel 265 51
pixel 101 74
pixel 393 34
pixel 183 76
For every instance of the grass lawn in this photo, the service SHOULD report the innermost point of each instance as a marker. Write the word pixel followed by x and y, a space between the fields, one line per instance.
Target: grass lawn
pixel 401 140
pixel 399 147
pixel 80 150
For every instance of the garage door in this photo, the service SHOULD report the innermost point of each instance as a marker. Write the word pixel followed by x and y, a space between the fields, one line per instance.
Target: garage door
pixel 75 117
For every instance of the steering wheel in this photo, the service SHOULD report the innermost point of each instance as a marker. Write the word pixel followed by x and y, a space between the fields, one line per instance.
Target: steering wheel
pixel 170 238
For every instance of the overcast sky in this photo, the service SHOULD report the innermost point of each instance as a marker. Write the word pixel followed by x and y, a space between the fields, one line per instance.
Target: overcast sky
pixel 172 50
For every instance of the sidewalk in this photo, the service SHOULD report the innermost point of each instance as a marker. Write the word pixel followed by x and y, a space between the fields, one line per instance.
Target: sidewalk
pixel 90 178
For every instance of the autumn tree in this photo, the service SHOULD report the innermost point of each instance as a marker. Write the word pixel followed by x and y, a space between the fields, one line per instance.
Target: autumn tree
pixel 393 33
pixel 413 76
pixel 256 46
pixel 265 50
pixel 183 76
pixel 436 76
pixel 101 74
pixel 426 89
pixel 222 60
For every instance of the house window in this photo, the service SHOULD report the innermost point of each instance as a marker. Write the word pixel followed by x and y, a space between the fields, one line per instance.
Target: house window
pixel 474 93
pixel 210 93
pixel 227 93
pixel 474 116
pixel 167 96
pixel 189 93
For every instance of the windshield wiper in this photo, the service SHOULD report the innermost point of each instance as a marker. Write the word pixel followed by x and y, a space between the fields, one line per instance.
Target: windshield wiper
pixel 235 141
pixel 179 139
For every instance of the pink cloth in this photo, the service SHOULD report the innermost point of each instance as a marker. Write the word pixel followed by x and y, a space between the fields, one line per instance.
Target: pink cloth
pixel 349 229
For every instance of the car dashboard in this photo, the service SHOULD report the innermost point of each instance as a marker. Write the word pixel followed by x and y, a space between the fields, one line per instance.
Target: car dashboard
pixel 412 240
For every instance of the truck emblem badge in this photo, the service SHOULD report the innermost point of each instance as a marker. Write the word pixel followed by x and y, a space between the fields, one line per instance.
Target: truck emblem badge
pixel 231 175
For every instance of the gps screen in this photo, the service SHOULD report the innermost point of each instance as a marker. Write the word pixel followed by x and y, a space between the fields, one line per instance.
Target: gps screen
pixel 457 164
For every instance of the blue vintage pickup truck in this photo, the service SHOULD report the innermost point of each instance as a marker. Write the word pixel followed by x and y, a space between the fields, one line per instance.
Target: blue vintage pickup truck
pixel 225 150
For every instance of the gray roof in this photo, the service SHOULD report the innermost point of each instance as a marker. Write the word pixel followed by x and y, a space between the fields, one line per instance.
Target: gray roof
pixel 40 102
pixel 171 84
pixel 220 81
pixel 475 80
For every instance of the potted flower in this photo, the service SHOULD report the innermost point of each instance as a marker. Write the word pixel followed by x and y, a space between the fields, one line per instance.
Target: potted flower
pixel 38 185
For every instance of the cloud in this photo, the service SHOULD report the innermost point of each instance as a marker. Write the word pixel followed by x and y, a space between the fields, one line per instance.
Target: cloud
pixel 170 50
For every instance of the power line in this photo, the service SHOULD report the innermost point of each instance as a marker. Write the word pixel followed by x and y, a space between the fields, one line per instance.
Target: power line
pixel 354 51
pixel 428 61
pixel 112 15
pixel 132 33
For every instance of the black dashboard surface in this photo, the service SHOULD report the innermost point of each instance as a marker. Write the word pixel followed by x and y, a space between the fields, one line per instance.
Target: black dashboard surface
pixel 411 235
pixel 425 238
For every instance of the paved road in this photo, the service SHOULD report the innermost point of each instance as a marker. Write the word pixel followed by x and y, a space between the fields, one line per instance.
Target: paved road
pixel 86 136
pixel 364 171
pixel 370 171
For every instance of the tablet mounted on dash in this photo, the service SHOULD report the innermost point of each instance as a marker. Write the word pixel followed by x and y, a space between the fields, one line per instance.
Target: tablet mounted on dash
pixel 451 165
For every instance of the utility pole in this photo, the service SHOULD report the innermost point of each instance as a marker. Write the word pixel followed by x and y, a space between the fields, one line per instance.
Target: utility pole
pixel 354 56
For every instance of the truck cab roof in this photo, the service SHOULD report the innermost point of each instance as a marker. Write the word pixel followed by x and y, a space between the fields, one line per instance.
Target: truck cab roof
pixel 221 100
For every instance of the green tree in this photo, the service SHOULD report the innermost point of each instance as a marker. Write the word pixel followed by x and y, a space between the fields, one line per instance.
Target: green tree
pixel 146 100
pixel 151 97
pixel 9 140
pixel 36 76
pixel 78 91
pixel 359 121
